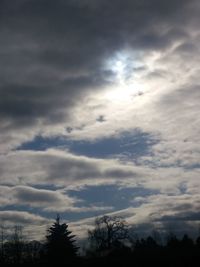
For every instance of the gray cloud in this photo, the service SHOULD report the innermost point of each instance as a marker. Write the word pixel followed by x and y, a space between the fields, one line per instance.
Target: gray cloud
pixel 52 52
pixel 59 168
pixel 21 217
pixel 45 200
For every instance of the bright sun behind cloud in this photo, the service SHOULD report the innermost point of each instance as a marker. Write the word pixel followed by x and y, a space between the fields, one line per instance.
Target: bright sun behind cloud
pixel 127 84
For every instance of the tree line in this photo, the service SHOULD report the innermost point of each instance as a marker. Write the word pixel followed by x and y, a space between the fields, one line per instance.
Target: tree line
pixel 111 241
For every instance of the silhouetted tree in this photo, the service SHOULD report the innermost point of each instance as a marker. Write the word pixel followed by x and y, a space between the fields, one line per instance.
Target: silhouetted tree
pixel 32 251
pixel 198 242
pixel 151 243
pixel 2 238
pixel 109 232
pixel 172 241
pixel 60 243
pixel 14 248
pixel 157 236
pixel 187 242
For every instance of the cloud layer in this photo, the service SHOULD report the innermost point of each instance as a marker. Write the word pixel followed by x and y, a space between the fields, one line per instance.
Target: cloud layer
pixel 53 55
pixel 90 71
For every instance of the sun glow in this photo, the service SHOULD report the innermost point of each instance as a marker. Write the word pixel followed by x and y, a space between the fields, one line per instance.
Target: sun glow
pixel 125 84
pixel 123 93
pixel 119 69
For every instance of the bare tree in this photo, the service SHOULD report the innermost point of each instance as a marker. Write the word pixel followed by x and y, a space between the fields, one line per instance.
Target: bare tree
pixel 2 240
pixel 109 232
pixel 16 245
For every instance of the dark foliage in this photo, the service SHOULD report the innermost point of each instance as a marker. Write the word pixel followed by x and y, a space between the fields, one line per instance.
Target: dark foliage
pixel 60 245
pixel 60 249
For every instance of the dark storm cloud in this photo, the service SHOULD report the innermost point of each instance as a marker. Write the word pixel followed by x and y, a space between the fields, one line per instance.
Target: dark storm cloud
pixel 52 52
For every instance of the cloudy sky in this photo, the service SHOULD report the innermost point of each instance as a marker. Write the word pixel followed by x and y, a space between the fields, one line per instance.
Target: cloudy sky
pixel 99 112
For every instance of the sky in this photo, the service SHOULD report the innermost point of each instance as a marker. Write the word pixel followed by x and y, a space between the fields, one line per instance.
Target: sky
pixel 99 113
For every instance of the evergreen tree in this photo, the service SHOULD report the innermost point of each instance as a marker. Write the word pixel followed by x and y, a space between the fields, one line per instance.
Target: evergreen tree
pixel 60 243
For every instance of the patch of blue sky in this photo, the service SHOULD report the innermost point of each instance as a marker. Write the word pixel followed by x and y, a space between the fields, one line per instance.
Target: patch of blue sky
pixel 131 144
pixel 40 143
pixel 111 195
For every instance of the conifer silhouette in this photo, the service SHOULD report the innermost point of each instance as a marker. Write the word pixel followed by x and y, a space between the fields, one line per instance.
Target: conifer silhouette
pixel 60 243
